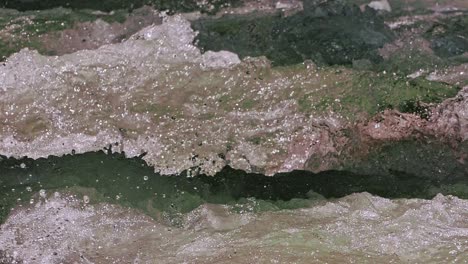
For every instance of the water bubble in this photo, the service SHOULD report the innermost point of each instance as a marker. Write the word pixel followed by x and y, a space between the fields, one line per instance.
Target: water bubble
pixel 145 178
pixel 42 193
pixel 23 166
pixel 29 189
pixel 86 199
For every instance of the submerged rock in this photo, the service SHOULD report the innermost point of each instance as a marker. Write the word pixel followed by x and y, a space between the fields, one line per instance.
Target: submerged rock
pixel 94 34
pixel 448 37
pixel 326 32
pixel 60 31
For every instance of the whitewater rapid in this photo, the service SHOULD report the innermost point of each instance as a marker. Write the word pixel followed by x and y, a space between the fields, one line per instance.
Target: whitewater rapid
pixel 359 228
pixel 157 93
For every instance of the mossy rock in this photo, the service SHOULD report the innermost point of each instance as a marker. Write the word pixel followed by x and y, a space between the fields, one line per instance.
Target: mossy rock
pixel 370 92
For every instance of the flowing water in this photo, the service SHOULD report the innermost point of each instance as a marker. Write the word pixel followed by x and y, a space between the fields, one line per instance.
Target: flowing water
pixel 105 208
pixel 150 151
pixel 359 228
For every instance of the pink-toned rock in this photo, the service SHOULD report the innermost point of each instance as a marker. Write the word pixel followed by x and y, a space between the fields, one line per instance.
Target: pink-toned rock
pixel 92 35
pixel 450 119
pixel 393 125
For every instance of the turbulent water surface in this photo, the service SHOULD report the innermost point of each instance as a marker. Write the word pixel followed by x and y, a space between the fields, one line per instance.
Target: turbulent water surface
pixel 105 208
pixel 303 132
pixel 358 228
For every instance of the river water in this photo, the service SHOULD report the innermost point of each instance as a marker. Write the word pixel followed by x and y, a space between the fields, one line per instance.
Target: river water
pixel 111 208
pixel 103 208
pixel 359 228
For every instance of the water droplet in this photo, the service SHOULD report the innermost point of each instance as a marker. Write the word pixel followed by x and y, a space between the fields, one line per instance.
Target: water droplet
pixel 86 199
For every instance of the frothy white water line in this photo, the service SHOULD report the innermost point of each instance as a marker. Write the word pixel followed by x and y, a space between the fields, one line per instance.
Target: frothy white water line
pixel 359 227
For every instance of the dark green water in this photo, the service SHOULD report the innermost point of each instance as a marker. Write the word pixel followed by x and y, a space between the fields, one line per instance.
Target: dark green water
pixel 131 182
pixel 109 5
pixel 327 32
pixel 448 37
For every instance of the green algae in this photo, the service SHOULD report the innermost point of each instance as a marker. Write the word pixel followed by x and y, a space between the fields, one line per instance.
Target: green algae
pixel 44 21
pixel 353 92
pixel 6 49
pixel 248 104
pixel 396 92
pixel 60 19
pixel 328 33
pixel 409 61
